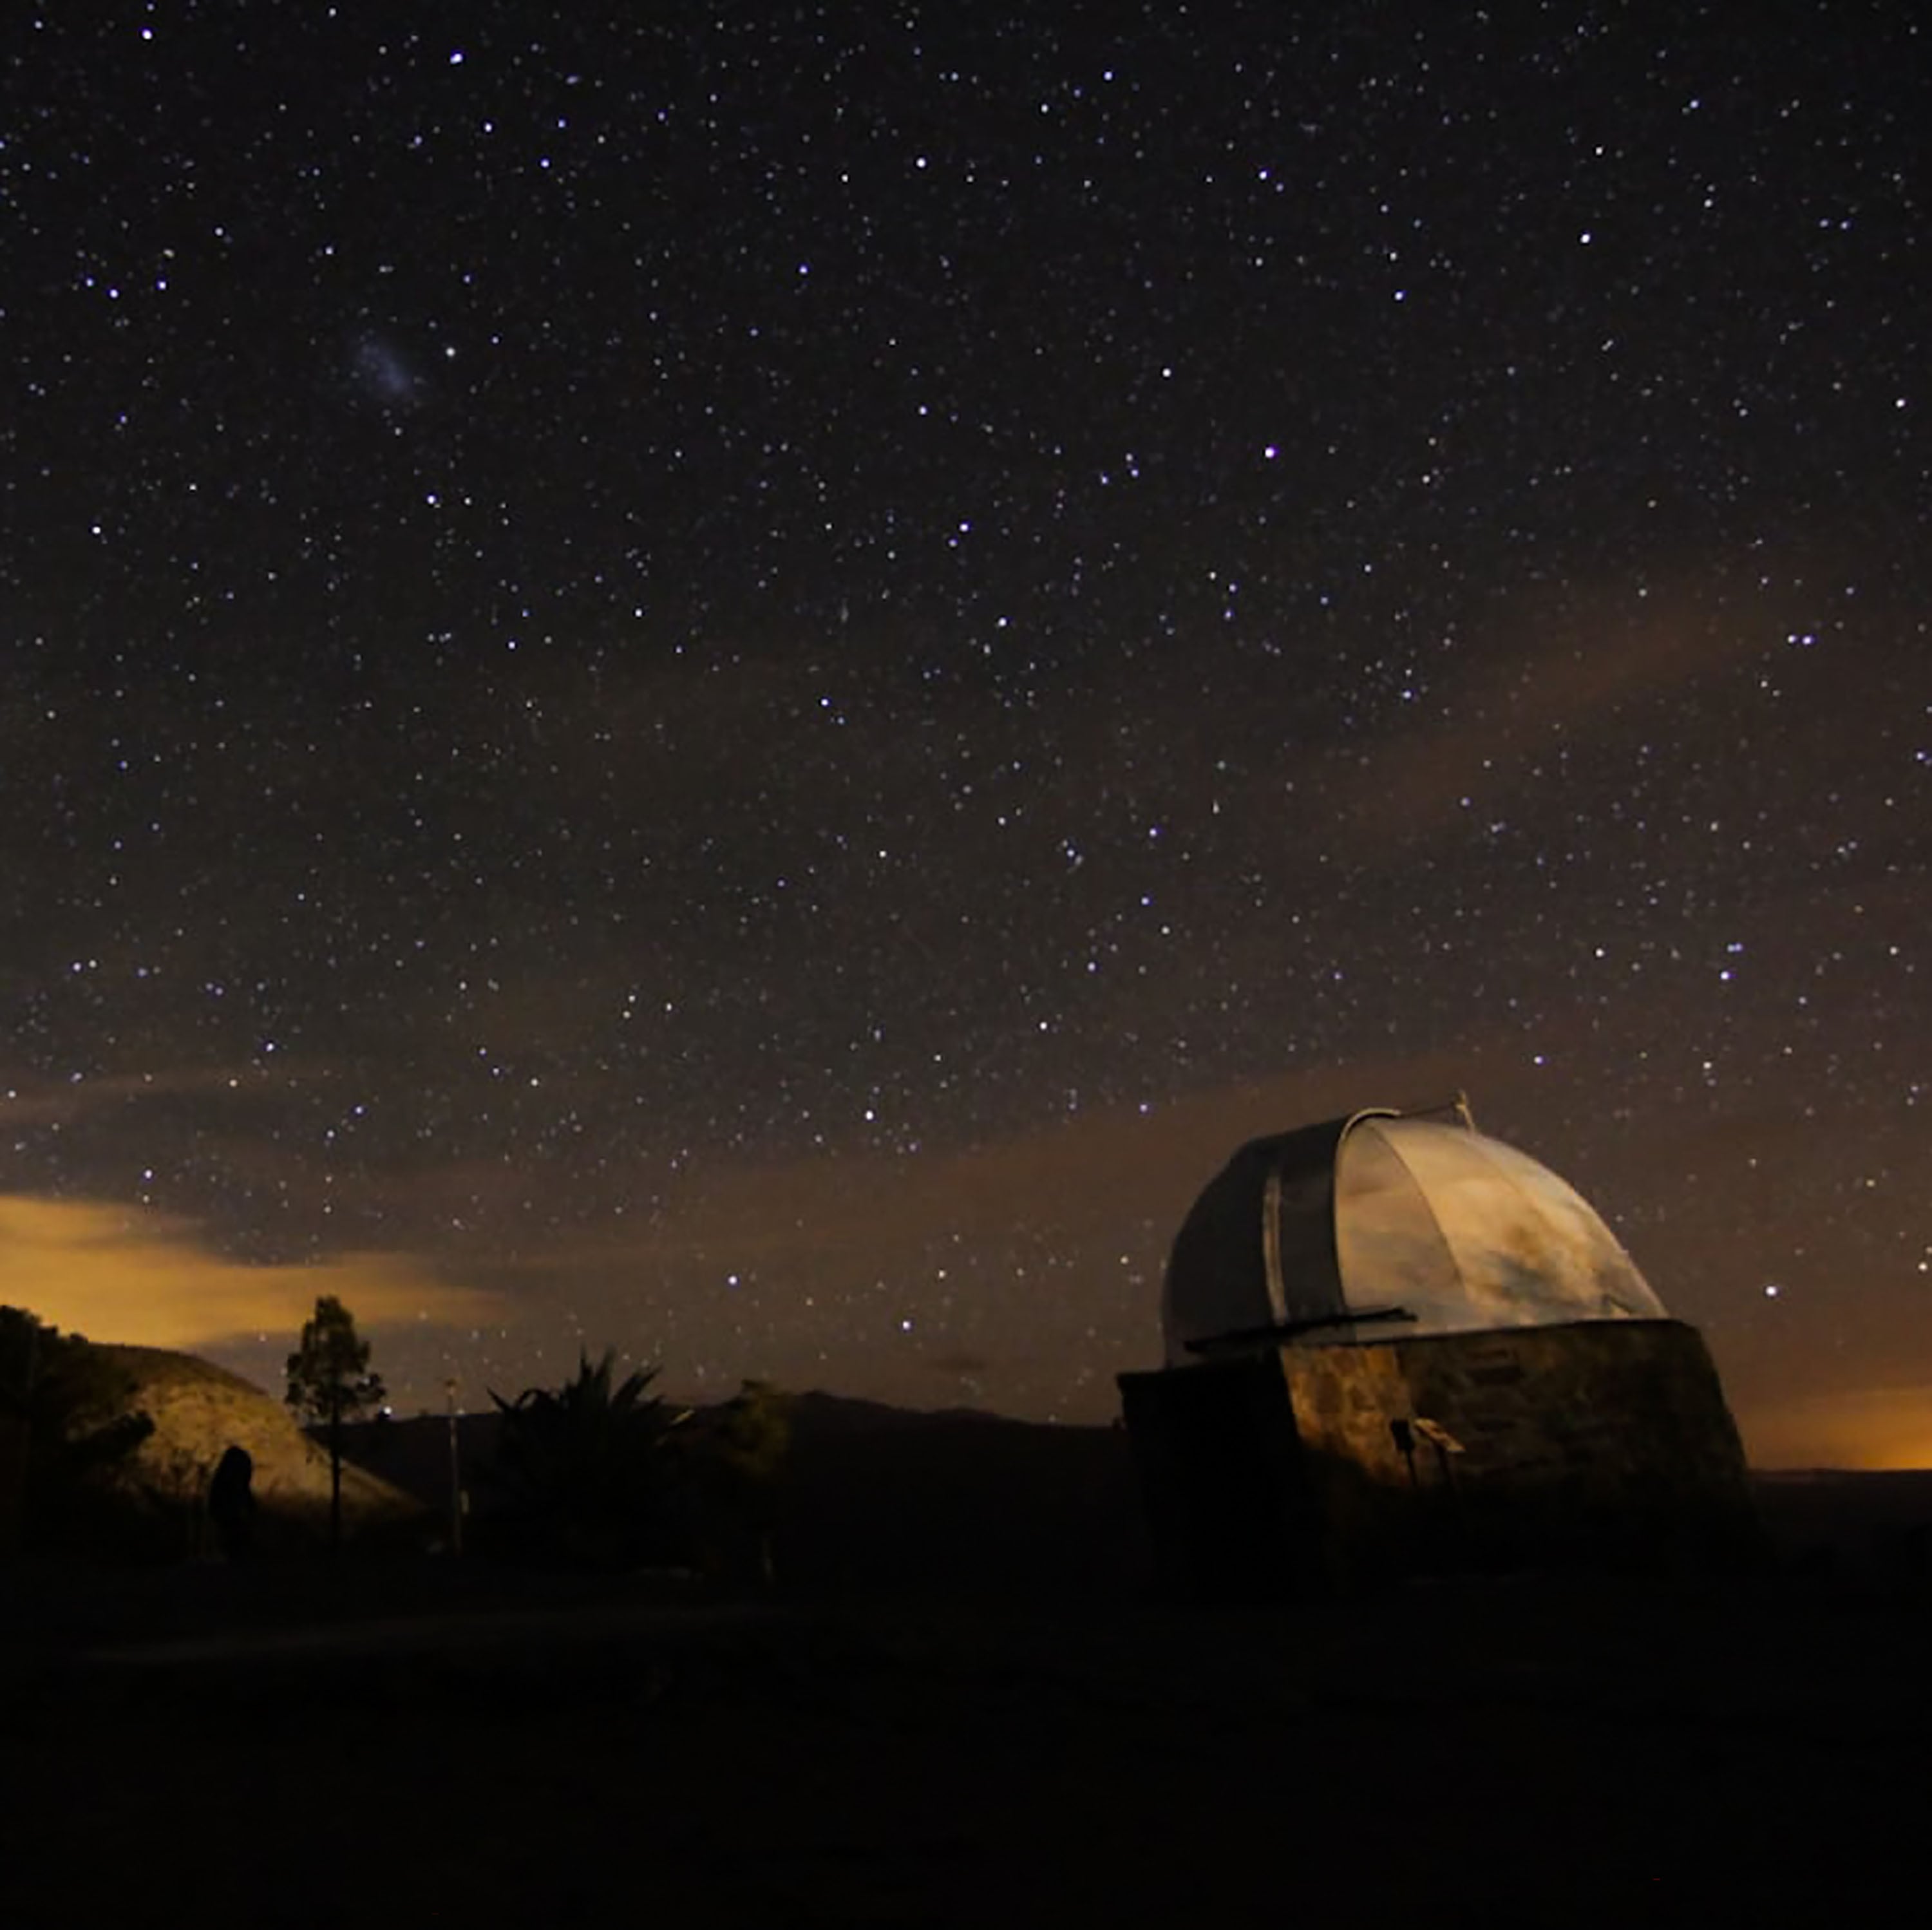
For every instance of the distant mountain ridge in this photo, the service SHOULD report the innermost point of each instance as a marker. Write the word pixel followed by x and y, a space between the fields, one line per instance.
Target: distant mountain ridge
pixel 876 1498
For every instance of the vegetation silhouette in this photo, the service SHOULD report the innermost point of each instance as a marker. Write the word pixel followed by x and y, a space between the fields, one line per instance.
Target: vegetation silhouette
pixel 736 1463
pixel 603 1473
pixel 330 1382
pixel 581 1478
pixel 69 1421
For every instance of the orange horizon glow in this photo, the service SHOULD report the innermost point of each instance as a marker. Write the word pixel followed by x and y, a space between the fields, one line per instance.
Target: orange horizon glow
pixel 133 1278
pixel 1861 1430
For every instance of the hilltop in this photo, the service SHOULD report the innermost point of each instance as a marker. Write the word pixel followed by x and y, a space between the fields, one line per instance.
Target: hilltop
pixel 150 1500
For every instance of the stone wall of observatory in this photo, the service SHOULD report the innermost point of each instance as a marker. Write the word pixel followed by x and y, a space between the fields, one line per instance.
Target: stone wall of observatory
pixel 1596 1444
pixel 1605 1443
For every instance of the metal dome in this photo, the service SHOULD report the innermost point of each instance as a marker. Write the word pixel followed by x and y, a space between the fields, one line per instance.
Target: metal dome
pixel 1420 1221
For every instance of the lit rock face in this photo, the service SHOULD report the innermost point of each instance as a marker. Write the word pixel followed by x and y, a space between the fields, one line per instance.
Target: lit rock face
pixel 200 1410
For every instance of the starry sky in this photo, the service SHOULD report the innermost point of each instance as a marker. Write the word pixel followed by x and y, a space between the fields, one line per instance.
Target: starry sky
pixel 742 681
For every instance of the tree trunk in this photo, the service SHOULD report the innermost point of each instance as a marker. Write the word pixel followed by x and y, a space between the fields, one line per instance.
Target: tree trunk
pixel 335 1470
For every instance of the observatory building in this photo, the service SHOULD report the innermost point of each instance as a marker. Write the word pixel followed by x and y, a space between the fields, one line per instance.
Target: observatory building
pixel 1395 1345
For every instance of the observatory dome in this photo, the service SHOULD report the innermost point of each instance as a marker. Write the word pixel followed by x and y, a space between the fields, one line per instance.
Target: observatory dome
pixel 1419 1221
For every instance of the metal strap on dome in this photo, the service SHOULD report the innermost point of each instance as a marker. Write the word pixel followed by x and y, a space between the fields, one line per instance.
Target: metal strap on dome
pixel 1277 1291
pixel 1282 1332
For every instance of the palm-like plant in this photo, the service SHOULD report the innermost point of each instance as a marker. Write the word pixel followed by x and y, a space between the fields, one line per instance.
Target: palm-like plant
pixel 580 1475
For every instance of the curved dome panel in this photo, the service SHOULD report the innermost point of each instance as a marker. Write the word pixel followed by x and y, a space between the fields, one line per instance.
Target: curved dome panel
pixel 1308 1235
pixel 1467 1232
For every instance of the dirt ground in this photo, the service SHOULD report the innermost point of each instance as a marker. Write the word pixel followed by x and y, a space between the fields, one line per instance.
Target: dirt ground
pixel 1531 1750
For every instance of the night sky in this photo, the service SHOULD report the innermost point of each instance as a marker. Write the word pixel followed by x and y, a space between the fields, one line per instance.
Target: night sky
pixel 742 681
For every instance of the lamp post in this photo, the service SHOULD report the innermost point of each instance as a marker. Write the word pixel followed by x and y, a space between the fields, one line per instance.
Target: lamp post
pixel 455 1473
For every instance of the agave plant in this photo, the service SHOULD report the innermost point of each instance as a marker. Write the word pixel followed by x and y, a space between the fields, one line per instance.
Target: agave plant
pixel 581 1475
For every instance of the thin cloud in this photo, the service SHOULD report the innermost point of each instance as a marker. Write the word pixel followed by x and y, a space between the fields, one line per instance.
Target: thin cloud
pixel 143 1280
pixel 1502 723
pixel 1111 1174
pixel 63 1101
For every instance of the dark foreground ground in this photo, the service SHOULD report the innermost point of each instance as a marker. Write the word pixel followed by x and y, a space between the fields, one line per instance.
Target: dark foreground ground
pixel 411 1742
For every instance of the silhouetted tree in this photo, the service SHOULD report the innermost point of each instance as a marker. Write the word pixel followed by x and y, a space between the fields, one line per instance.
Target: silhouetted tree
pixel 740 1460
pixel 580 1475
pixel 67 1410
pixel 330 1382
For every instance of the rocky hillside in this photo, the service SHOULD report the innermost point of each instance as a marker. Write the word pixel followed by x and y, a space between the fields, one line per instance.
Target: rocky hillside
pixel 157 1494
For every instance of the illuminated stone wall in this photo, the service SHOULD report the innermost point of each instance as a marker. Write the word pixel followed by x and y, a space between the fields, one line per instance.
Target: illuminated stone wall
pixel 1599 1444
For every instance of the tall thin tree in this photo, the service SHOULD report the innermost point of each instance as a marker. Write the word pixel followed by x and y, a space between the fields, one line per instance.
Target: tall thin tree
pixel 330 1382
